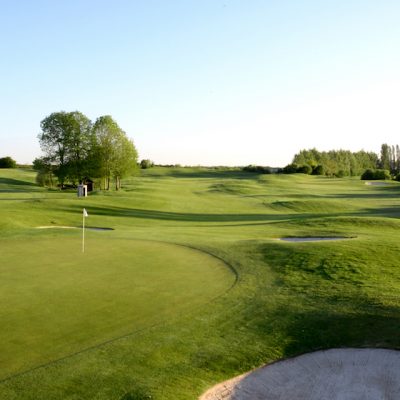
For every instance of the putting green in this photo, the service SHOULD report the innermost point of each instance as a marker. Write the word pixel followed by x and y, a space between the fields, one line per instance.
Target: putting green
pixel 54 301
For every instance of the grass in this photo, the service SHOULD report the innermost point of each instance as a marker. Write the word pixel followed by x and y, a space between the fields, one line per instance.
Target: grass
pixel 116 288
pixel 190 287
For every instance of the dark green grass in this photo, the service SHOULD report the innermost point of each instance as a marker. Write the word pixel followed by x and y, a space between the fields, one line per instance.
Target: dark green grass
pixel 289 298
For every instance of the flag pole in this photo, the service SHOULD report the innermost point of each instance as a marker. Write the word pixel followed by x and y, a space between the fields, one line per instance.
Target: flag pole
pixel 83 231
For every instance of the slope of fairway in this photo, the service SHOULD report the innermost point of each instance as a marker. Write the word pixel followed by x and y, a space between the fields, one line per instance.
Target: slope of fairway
pixel 56 301
pixel 154 318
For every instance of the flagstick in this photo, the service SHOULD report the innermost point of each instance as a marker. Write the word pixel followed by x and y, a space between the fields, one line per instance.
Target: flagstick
pixel 83 233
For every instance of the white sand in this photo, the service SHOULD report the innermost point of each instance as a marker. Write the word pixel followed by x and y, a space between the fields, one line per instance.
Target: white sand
pixel 335 374
pixel 378 183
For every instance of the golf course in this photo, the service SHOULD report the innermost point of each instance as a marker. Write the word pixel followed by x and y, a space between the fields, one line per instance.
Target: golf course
pixel 185 280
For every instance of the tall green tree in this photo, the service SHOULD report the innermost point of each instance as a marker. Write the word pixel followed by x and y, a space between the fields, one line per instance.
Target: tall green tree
pixel 385 156
pixel 116 155
pixel 66 139
pixel 126 160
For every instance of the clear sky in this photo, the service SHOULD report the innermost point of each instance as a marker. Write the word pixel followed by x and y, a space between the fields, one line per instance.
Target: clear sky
pixel 209 82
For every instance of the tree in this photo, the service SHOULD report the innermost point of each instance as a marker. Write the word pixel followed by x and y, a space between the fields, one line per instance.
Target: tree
pixel 75 149
pixel 378 174
pixel 125 162
pixel 305 169
pixel 318 170
pixel 44 168
pixel 290 169
pixel 66 139
pixel 115 154
pixel 7 162
pixel 144 164
pixel 336 162
pixel 385 157
pixel 80 144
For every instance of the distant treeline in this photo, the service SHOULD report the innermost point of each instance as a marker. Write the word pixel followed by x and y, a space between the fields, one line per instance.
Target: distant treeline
pixel 333 163
pixel 346 163
pixel 340 163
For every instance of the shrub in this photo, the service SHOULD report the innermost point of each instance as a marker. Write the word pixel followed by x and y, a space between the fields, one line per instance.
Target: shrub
pixel 305 169
pixel 44 178
pixel 40 164
pixel 368 174
pixel 258 169
pixel 290 169
pixel 318 170
pixel 382 174
pixel 144 164
pixel 7 162
pixel 378 174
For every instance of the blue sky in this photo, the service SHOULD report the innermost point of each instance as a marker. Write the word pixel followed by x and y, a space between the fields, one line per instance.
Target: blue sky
pixel 210 82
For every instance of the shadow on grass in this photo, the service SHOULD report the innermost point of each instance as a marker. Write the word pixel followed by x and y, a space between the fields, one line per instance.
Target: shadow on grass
pixel 320 329
pixel 247 219
pixel 15 182
pixel 210 174
pixel 392 212
pixel 379 193
pixel 189 217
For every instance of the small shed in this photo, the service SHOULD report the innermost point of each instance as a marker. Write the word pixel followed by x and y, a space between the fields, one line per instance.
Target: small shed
pixel 82 190
pixel 90 184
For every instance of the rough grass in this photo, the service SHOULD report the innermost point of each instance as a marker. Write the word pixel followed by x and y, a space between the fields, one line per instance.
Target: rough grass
pixel 289 297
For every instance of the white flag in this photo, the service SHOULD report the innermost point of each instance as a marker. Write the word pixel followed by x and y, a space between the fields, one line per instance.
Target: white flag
pixel 85 214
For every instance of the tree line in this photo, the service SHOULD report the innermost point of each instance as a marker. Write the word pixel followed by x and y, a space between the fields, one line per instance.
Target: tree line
pixel 77 150
pixel 342 163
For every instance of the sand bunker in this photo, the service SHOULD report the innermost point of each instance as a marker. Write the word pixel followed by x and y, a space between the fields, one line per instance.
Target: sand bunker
pixel 312 238
pixel 91 228
pixel 335 374
pixel 378 183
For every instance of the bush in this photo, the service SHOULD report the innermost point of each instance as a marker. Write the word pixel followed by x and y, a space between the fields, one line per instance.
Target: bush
pixel 368 174
pixel 44 178
pixel 305 169
pixel 290 169
pixel 144 164
pixel 378 174
pixel 318 170
pixel 258 169
pixel 382 174
pixel 39 164
pixel 7 162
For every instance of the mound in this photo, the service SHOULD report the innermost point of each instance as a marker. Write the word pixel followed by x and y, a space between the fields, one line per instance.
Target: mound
pixel 336 374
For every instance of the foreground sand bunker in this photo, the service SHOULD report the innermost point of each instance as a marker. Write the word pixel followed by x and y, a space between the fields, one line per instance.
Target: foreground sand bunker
pixel 335 374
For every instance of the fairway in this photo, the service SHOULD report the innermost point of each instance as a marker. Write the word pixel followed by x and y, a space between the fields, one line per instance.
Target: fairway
pixel 57 301
pixel 190 286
